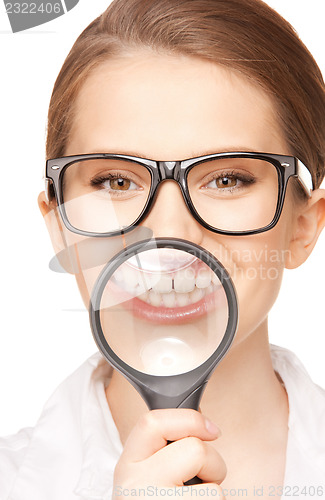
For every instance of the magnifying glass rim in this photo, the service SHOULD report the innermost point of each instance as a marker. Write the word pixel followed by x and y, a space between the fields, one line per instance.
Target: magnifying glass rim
pixel 161 383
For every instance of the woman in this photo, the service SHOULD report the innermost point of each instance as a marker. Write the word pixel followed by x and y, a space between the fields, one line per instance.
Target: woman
pixel 171 81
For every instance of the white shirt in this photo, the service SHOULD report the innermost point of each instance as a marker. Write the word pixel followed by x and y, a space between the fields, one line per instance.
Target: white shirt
pixel 73 449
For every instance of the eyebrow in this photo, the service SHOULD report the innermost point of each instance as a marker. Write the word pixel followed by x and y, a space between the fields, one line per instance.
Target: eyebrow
pixel 140 154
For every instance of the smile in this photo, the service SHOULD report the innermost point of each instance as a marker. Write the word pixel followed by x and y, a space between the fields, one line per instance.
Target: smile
pixel 169 297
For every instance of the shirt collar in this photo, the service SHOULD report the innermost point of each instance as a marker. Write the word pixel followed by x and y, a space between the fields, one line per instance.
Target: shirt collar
pixel 76 445
pixel 102 446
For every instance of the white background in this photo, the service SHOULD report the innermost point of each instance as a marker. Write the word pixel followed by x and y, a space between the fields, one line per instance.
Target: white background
pixel 43 335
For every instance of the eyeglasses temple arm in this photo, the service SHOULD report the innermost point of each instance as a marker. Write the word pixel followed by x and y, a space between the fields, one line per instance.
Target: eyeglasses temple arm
pixel 304 177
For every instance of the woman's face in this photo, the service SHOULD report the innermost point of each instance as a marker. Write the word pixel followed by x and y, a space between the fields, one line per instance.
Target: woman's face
pixel 172 108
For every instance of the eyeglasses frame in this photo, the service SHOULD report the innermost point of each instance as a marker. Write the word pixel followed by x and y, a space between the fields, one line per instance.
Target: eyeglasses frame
pixel 286 166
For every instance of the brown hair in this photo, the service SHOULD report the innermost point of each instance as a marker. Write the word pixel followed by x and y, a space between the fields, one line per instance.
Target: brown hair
pixel 246 35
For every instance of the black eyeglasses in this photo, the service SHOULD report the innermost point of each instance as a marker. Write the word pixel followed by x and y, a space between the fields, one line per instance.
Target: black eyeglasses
pixel 236 193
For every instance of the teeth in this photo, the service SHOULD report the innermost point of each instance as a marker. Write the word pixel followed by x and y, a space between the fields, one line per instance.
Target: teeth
pixel 170 290
pixel 131 289
pixel 130 277
pixel 164 284
pixel 144 280
pixel 169 299
pixel 154 298
pixel 196 295
pixel 183 299
pixel 203 278
pixel 118 274
pixel 176 299
pixel 215 279
pixel 184 281
pixel 144 297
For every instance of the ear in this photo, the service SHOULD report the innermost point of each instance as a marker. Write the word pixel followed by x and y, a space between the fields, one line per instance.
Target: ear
pixel 66 252
pixel 53 223
pixel 309 225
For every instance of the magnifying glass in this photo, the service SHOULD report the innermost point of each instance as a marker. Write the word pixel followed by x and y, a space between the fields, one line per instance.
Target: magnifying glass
pixel 164 313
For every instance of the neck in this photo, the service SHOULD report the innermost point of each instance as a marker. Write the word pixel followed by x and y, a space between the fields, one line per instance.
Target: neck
pixel 244 389
pixel 243 393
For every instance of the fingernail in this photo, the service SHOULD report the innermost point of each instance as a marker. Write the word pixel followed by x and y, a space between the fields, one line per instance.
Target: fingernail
pixel 212 428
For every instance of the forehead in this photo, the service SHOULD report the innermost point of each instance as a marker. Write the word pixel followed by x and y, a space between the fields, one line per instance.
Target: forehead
pixel 171 107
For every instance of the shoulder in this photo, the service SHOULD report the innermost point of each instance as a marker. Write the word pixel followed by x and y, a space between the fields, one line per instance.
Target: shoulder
pixel 12 453
pixel 306 399
pixel 72 439
pixel 296 377
pixel 306 440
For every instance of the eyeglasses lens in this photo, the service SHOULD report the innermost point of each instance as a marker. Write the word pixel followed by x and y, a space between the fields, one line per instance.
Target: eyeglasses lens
pixel 104 195
pixel 234 194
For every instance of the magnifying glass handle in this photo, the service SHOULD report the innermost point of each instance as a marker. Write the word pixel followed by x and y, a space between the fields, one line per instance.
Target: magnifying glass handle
pixel 193 401
pixel 194 480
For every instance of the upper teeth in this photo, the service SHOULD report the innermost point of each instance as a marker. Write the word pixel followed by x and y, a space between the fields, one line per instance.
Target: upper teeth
pixel 182 281
pixel 163 285
pixel 203 278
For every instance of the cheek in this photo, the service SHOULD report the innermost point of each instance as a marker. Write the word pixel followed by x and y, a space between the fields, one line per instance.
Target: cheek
pixel 85 258
pixel 256 265
pixel 257 280
pixel 258 277
pixel 86 280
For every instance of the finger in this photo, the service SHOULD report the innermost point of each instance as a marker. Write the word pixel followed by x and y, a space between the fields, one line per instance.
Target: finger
pixel 157 427
pixel 187 458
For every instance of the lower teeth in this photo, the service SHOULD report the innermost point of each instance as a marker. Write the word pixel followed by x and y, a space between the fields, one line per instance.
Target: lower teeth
pixel 173 299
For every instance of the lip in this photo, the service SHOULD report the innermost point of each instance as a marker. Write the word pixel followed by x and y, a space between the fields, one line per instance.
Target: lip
pixel 167 315
pixel 175 315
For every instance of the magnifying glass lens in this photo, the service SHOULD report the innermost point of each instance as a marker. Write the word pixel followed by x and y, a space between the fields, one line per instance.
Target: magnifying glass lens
pixel 163 311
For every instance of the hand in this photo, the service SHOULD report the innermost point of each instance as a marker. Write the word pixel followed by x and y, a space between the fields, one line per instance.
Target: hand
pixel 147 463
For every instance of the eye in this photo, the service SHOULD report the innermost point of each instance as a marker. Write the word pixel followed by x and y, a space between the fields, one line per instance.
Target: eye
pixel 114 182
pixel 226 181
pixel 120 184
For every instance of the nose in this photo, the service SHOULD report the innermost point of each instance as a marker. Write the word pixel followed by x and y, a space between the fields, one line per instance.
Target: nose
pixel 169 216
